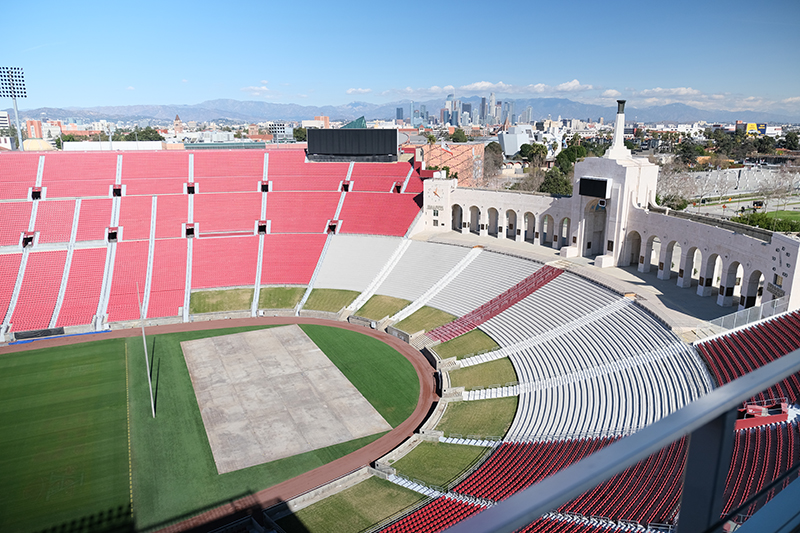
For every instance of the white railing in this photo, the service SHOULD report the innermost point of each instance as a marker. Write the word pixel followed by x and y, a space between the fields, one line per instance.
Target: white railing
pixel 753 314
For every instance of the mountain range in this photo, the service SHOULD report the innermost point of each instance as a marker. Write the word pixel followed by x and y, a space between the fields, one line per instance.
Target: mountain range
pixel 237 111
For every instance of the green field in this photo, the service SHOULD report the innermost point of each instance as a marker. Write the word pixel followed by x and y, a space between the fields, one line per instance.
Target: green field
pixel 438 463
pixel 426 318
pixel 279 297
pixel 497 372
pixel 331 300
pixel 487 418
pixel 221 300
pixel 379 307
pixel 63 436
pixel 64 451
pixel 353 509
pixel 473 342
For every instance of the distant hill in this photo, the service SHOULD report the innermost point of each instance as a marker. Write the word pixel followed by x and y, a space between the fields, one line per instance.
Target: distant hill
pixel 224 110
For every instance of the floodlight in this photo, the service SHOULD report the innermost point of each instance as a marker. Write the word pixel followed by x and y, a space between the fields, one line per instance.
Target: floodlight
pixel 12 85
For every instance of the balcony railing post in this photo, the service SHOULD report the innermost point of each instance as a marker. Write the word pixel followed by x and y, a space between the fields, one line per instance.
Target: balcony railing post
pixel 707 463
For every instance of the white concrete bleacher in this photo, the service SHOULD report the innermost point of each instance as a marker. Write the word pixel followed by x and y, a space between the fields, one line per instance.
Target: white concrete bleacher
pixel 422 265
pixel 488 276
pixel 352 261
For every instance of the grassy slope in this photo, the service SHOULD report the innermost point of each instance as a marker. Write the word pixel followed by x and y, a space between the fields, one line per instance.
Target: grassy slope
pixel 426 318
pixel 487 418
pixel 475 341
pixel 380 306
pixel 331 300
pixel 174 470
pixel 438 463
pixel 386 379
pixel 279 297
pixel 497 372
pixel 353 509
pixel 221 300
pixel 63 435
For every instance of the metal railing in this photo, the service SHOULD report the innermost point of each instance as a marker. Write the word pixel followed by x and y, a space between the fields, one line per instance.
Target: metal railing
pixel 709 420
pixel 753 314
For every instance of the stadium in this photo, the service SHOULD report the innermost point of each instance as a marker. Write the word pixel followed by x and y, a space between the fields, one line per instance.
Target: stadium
pixel 347 345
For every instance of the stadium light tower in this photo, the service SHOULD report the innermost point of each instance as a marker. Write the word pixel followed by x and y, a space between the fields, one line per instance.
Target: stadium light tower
pixel 12 85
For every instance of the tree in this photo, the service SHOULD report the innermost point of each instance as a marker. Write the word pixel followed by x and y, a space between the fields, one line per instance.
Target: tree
pixel 300 134
pixel 146 134
pixel 765 145
pixel 687 152
pixel 532 181
pixel 431 138
pixel 791 141
pixel 492 161
pixel 556 182
pixel 674 185
pixel 534 153
pixel 459 136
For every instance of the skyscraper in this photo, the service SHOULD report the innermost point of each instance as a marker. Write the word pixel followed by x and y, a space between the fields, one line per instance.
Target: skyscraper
pixel 483 110
pixel 399 115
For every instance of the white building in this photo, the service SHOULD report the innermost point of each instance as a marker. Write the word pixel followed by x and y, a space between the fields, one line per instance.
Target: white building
pixel 611 218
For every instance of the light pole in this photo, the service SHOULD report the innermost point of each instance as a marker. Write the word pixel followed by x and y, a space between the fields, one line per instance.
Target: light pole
pixel 12 85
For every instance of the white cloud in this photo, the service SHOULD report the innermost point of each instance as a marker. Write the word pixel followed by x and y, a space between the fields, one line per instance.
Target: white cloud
pixel 257 90
pixel 792 100
pixel 358 91
pixel 611 93
pixel 184 80
pixel 264 82
pixel 675 91
pixel 572 86
pixel 131 88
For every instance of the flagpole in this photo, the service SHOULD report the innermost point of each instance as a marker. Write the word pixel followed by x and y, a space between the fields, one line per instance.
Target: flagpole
pixel 146 359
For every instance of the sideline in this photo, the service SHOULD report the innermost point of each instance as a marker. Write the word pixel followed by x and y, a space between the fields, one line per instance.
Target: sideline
pixel 309 480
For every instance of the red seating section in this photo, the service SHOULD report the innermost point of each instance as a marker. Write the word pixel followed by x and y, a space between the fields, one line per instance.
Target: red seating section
pixel 646 492
pixel 301 212
pixel 169 278
pixel 378 214
pixel 738 353
pixel 760 455
pixel 39 292
pixel 17 174
pixel 134 217
pixel 496 305
pixel 83 287
pixel 515 466
pixel 130 268
pixel 15 217
pixel 94 219
pixel 231 212
pixel 226 207
pixel 438 515
pixel 378 177
pixel 290 259
pixel 9 266
pixel 54 220
pixel 224 262
pixel 79 174
pixel 552 525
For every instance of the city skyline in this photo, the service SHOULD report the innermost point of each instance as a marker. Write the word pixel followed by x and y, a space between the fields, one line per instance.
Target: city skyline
pixel 729 56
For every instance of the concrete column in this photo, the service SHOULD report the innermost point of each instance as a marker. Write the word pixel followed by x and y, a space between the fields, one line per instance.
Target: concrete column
pixel 704 287
pixel 556 239
pixel 484 223
pixel 644 261
pixel 685 272
pixel 664 266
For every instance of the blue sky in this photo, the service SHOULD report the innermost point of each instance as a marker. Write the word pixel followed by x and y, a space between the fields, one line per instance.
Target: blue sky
pixel 714 54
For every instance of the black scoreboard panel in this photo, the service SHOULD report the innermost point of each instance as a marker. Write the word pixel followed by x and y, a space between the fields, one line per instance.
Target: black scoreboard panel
pixel 352 142
pixel 593 187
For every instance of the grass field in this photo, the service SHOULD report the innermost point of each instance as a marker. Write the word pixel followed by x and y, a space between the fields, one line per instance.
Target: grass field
pixel 331 300
pixel 64 441
pixel 475 341
pixel 497 372
pixel 785 215
pixel 279 297
pixel 222 300
pixel 438 463
pixel 63 436
pixel 426 318
pixel 353 509
pixel 487 418
pixel 380 306
pixel 174 471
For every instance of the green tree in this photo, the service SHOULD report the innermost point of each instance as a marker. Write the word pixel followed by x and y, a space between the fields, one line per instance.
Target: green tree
pixel 146 134
pixel 556 182
pixel 431 138
pixel 459 136
pixel 765 145
pixel 535 153
pixel 791 141
pixel 300 134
